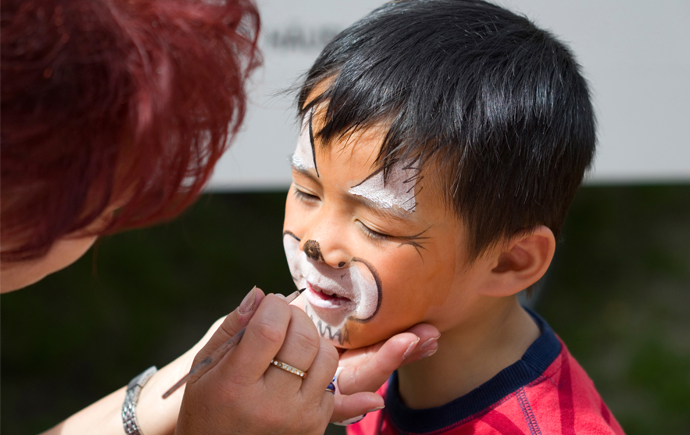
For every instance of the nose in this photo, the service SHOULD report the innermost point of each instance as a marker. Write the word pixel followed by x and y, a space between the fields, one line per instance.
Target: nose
pixel 313 250
pixel 323 234
pixel 327 251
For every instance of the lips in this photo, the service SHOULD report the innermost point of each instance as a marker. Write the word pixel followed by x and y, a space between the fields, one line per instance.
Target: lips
pixel 328 295
pixel 327 298
pixel 328 305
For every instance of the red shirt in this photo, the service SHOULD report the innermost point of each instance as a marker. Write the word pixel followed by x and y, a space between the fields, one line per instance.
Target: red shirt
pixel 546 392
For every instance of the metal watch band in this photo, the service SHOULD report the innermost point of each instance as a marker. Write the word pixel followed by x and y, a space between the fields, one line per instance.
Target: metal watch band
pixel 129 418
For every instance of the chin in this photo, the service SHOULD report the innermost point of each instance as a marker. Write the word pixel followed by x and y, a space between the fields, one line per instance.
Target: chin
pixel 356 334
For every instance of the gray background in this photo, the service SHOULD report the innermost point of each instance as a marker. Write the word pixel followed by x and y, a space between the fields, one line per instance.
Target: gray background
pixel 636 55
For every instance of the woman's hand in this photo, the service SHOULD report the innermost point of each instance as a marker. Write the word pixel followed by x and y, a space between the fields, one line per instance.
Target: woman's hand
pixel 366 369
pixel 159 417
pixel 243 393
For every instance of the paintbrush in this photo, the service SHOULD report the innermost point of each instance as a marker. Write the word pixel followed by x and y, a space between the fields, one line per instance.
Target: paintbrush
pixel 217 354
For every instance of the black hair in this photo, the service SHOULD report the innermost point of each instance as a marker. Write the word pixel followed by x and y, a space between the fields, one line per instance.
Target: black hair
pixel 497 104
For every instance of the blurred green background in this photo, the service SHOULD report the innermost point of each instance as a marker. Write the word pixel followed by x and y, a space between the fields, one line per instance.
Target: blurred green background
pixel 618 293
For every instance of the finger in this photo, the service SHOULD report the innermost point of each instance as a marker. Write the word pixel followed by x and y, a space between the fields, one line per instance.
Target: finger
pixel 320 374
pixel 427 345
pixel 226 328
pixel 299 349
pixel 374 368
pixel 299 302
pixel 346 407
pixel 263 338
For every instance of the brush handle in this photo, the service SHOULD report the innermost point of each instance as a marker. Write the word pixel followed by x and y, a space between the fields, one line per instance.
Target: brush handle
pixel 205 364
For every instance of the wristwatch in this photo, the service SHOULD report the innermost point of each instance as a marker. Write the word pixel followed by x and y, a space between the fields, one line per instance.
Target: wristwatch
pixel 129 418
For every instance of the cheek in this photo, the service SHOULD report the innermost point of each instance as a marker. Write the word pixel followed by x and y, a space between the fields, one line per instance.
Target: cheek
pixel 408 293
pixel 63 253
pixel 411 279
pixel 407 297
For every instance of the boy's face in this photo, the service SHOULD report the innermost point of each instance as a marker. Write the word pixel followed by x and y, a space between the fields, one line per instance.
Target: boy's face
pixel 374 258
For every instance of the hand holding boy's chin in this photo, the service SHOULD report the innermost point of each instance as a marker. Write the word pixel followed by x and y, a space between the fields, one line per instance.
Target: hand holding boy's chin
pixel 367 368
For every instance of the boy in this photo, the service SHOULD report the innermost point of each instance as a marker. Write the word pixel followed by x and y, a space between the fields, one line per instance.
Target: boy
pixel 441 145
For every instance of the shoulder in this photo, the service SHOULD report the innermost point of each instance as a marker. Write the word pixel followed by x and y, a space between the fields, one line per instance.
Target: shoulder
pixel 563 400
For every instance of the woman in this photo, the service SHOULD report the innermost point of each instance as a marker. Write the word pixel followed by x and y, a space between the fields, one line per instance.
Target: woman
pixel 114 114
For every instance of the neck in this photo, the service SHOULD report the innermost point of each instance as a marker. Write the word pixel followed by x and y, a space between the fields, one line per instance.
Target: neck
pixel 496 336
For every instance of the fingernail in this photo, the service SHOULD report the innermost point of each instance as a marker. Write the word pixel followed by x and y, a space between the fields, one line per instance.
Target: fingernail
pixel 410 348
pixel 247 304
pixel 429 353
pixel 375 409
pixel 429 342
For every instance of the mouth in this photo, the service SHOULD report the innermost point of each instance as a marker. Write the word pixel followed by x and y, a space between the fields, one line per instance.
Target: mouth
pixel 329 304
pixel 334 295
pixel 328 296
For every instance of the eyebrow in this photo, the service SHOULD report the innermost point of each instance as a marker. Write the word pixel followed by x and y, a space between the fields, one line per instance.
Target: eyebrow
pixel 303 170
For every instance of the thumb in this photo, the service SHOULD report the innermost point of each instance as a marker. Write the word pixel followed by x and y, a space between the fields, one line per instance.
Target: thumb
pixel 377 366
pixel 346 407
pixel 225 328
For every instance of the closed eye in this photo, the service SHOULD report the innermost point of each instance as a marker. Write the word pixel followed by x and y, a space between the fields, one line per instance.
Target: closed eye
pixel 304 196
pixel 374 234
pixel 416 240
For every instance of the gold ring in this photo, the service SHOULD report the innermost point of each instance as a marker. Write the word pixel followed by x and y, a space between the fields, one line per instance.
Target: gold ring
pixel 288 368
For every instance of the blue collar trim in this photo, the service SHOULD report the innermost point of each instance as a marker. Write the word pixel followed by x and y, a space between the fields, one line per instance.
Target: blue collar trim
pixel 533 363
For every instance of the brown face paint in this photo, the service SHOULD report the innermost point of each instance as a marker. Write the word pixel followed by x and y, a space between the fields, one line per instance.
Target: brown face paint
pixel 313 250
pixel 291 234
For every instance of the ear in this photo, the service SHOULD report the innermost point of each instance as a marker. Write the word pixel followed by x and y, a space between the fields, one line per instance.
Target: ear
pixel 521 262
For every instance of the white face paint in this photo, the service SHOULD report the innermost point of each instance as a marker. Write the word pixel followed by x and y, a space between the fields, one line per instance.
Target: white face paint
pixel 303 158
pixel 396 192
pixel 333 295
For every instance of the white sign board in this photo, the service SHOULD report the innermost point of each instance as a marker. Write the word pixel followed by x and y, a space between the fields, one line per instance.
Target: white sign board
pixel 635 54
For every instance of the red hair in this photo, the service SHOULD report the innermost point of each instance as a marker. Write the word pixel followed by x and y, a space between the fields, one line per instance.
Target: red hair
pixel 113 102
